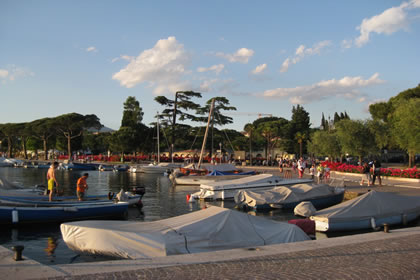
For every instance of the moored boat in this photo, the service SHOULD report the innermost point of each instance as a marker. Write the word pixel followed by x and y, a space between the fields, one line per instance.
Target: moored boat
pixel 10 215
pixel 368 211
pixel 158 168
pixel 205 230
pixel 209 178
pixel 227 189
pixel 131 199
pixel 287 197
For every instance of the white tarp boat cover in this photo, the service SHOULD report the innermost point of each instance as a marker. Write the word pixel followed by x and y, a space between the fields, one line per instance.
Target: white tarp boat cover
pixel 205 230
pixel 372 204
pixel 281 195
pixel 304 209
pixel 261 179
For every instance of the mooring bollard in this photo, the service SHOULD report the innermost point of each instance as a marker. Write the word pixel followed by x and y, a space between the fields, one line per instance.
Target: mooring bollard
pixel 18 252
pixel 386 228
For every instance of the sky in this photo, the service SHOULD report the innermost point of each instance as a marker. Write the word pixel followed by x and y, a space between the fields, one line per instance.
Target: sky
pixel 265 57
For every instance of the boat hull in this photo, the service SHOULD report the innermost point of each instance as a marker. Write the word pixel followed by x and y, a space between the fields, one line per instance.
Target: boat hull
pixel 317 202
pixel 30 215
pixel 364 223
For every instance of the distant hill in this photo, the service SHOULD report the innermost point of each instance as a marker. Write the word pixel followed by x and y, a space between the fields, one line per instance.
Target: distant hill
pixel 104 129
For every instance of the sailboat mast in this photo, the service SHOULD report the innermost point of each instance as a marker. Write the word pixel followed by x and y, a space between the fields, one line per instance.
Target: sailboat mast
pixel 206 133
pixel 158 146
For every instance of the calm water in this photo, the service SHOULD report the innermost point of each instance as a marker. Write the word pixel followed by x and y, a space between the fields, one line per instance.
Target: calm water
pixel 44 244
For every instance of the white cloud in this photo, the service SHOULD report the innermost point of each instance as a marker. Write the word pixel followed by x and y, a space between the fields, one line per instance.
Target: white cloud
pixel 346 44
pixel 162 67
pixel 242 55
pixel 13 72
pixel 259 69
pixel 91 49
pixel 388 22
pixel 123 57
pixel 301 52
pixel 216 68
pixel 346 87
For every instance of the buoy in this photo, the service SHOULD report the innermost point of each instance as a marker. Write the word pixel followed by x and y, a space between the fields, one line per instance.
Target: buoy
pixel 188 197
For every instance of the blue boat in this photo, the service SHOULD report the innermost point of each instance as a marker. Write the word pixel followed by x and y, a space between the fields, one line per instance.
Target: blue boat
pixel 29 215
pixel 369 211
pixel 132 199
pixel 288 197
pixel 80 166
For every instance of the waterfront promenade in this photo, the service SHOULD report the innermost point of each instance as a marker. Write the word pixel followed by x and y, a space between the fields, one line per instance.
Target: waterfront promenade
pixel 374 255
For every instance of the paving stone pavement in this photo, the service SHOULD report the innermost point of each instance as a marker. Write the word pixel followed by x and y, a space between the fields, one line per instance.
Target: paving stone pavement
pixel 395 258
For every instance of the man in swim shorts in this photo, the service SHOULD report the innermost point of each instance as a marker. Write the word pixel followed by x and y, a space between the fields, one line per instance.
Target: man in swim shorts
pixel 52 181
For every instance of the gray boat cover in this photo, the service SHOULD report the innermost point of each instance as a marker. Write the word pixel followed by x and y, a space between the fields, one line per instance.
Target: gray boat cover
pixel 205 230
pixel 304 209
pixel 281 195
pixel 371 204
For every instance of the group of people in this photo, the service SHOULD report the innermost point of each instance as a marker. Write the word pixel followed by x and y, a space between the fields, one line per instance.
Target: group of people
pixel 376 172
pixel 53 184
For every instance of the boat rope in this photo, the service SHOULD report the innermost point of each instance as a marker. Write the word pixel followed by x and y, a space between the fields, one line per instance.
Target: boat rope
pixel 195 138
pixel 227 137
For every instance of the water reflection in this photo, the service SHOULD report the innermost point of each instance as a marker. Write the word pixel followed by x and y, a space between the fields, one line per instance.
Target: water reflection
pixel 52 244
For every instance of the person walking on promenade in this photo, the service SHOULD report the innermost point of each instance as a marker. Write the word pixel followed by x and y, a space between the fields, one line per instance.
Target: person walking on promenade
pixel 320 173
pixel 52 180
pixel 312 171
pixel 82 186
pixel 376 172
pixel 366 174
pixel 301 167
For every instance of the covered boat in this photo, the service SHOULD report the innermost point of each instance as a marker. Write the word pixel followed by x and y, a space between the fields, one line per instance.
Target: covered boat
pixel 205 230
pixel 368 211
pixel 158 168
pixel 287 197
pixel 209 178
pixel 10 215
pixel 206 168
pixel 222 190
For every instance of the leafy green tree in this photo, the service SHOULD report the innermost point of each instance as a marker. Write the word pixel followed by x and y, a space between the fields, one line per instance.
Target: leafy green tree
pixel 133 113
pixel 10 132
pixel 406 127
pixel 178 107
pixel 218 118
pixel 380 111
pixel 355 138
pixel 132 117
pixel 300 122
pixel 324 143
pixel 122 141
pixel 44 130
pixel 24 131
pixel 73 125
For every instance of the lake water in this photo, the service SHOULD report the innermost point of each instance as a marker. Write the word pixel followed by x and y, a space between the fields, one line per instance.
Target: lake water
pixel 44 243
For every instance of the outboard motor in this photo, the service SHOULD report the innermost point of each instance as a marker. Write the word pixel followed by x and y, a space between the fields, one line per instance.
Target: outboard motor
pixel 139 190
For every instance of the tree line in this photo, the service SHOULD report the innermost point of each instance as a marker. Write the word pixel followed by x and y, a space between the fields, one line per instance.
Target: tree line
pixel 395 124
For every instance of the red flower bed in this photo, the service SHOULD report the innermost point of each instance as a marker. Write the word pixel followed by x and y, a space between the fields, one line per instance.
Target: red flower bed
pixel 413 173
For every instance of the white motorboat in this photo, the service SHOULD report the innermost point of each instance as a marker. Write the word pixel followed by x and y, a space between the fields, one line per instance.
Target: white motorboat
pixel 227 189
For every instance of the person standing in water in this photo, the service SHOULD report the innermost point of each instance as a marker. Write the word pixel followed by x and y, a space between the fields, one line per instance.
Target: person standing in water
pixel 82 186
pixel 52 181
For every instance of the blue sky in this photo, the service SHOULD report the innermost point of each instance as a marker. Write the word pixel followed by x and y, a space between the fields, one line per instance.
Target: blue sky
pixel 87 57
